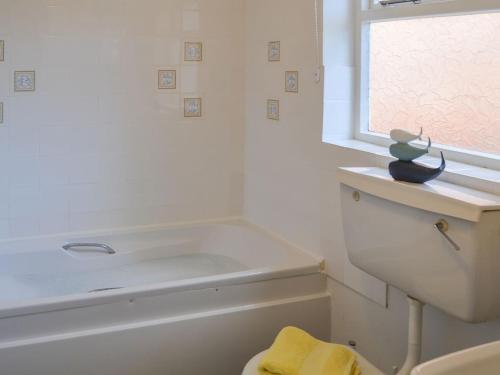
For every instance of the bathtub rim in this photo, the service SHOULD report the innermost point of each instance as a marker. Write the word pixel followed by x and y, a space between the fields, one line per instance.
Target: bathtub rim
pixel 230 220
pixel 110 296
pixel 41 305
pixel 120 231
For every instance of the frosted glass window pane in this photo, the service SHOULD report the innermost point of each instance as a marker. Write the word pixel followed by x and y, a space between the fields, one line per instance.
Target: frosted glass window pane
pixel 442 74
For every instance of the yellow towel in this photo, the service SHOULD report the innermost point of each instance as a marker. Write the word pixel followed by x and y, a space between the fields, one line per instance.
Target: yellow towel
pixel 295 352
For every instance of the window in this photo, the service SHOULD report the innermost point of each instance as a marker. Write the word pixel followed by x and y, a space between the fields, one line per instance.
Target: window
pixel 434 65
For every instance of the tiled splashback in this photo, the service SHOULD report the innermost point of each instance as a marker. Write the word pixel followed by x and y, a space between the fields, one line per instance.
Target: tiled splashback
pixel 104 142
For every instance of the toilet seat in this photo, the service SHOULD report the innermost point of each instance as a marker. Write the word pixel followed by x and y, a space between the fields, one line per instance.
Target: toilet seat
pixel 366 367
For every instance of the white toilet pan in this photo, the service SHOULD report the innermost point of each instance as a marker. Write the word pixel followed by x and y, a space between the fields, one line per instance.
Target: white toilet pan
pixel 366 367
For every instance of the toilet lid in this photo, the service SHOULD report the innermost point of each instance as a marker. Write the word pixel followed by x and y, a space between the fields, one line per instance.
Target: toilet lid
pixel 366 367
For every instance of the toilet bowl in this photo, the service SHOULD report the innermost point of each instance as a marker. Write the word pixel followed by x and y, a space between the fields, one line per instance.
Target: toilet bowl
pixel 366 367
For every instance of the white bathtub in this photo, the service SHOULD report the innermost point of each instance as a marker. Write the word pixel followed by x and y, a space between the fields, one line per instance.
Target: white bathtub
pixel 198 298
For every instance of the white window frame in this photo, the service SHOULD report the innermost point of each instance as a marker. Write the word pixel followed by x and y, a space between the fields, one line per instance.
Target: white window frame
pixel 366 13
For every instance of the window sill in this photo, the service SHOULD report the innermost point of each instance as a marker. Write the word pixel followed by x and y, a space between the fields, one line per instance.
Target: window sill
pixel 483 179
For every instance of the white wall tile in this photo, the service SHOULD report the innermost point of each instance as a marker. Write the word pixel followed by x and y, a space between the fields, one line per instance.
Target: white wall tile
pixel 23 141
pixel 4 204
pixel 24 226
pixel 97 145
pixel 24 202
pixel 54 140
pixel 4 79
pixel 4 172
pixel 4 229
pixel 23 171
pixel 58 223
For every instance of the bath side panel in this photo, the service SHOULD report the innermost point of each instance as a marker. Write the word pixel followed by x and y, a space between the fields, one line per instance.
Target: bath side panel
pixel 219 344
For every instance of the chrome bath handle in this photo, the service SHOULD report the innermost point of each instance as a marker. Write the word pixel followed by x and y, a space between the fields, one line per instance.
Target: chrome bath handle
pixel 396 2
pixel 442 227
pixel 106 248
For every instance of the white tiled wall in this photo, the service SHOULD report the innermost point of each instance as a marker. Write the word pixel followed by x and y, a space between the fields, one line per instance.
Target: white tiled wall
pixel 290 183
pixel 97 145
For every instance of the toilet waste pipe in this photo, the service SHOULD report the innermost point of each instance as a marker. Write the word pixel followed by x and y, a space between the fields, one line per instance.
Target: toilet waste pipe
pixel 415 322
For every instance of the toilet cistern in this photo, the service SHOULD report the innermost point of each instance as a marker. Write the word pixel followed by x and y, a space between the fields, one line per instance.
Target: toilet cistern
pixel 438 242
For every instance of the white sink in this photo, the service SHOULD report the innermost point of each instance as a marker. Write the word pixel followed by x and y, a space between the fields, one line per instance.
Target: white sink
pixel 484 359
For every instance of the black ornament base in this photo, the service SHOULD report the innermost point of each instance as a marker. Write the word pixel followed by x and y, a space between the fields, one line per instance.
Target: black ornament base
pixel 409 171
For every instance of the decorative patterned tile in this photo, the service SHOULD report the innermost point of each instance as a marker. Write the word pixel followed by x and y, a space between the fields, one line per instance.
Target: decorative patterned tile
pixel 273 109
pixel 192 107
pixel 292 81
pixel 193 51
pixel 274 51
pixel 24 81
pixel 1 113
pixel 167 79
pixel 2 50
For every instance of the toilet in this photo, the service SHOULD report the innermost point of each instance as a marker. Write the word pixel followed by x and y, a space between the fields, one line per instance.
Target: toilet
pixel 438 242
pixel 366 367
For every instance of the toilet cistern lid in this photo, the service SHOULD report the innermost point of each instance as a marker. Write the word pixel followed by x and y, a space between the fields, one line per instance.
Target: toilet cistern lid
pixel 435 196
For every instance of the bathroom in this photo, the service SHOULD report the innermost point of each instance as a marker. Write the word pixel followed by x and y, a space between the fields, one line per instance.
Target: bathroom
pixel 173 128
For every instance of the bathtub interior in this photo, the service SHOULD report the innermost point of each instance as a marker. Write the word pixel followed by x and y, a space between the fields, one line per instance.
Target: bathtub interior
pixel 34 269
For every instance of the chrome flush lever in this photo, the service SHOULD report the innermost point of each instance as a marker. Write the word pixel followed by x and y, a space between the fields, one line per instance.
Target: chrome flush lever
pixel 442 227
